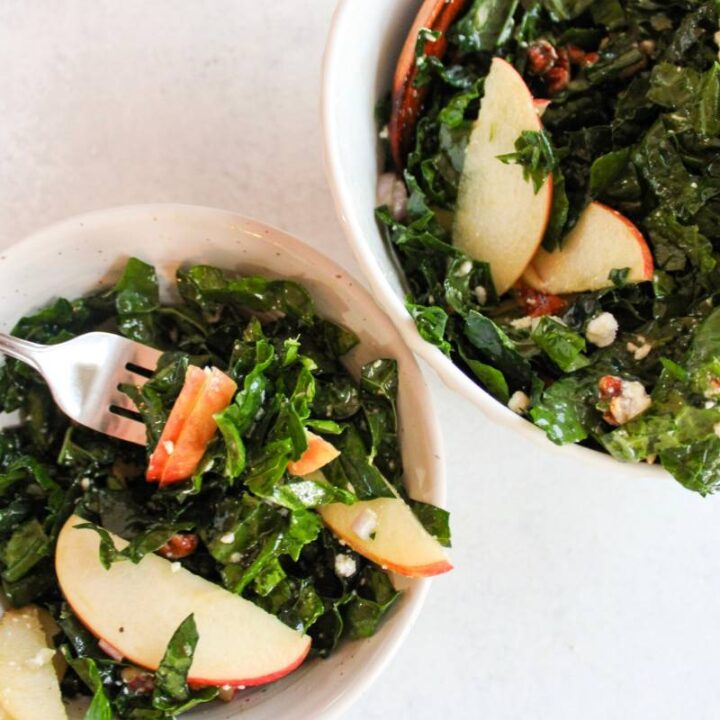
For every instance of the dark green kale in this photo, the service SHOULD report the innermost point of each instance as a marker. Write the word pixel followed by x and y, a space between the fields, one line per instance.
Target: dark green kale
pixel 633 122
pixel 288 364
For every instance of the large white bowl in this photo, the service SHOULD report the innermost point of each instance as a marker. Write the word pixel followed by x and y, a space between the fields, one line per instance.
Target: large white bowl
pixel 85 253
pixel 362 48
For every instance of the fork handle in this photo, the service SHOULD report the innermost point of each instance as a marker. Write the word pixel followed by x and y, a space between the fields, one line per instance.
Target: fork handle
pixel 28 352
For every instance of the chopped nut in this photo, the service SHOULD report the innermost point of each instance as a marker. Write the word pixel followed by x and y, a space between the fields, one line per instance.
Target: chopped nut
pixel 179 546
pixel 542 56
pixel 519 402
pixel 138 680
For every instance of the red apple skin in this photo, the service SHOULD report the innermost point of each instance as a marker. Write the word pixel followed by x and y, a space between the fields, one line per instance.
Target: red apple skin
pixel 194 381
pixel 407 100
pixel 549 272
pixel 198 429
pixel 648 262
pixel 318 454
pixel 251 682
pixel 541 105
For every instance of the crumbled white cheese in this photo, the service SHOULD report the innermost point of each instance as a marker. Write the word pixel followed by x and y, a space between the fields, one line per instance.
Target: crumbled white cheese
pixel 710 404
pixel 365 523
pixel 640 351
pixel 235 558
pixel 169 446
pixel 632 401
pixel 228 538
pixel 384 133
pixel 85 484
pixel 481 294
pixel 345 566
pixel 716 429
pixel 602 330
pixel 42 657
pixel 175 567
pixel 519 402
pixel 464 269
pixel 523 323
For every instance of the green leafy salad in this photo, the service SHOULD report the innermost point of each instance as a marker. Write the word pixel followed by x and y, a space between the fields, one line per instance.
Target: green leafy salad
pixel 242 520
pixel 552 195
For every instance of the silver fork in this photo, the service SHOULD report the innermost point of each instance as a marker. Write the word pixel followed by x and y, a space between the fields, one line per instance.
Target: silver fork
pixel 84 375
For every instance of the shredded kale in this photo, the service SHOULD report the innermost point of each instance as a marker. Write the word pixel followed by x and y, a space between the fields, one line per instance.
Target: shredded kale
pixel 288 364
pixel 633 122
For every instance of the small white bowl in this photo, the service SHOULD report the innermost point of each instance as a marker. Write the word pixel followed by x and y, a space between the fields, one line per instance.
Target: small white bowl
pixel 362 48
pixel 85 253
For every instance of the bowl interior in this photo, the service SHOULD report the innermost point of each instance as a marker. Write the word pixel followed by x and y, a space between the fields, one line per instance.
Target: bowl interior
pixel 82 254
pixel 358 70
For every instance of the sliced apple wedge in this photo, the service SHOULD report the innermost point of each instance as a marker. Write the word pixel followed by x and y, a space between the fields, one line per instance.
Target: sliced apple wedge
pixel 386 531
pixel 318 454
pixel 137 608
pixel 500 219
pixel 191 425
pixel 29 688
pixel 601 241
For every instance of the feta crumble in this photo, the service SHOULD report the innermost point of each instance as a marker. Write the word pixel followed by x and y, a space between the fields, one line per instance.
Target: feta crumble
pixel 365 524
pixel 716 429
pixel 519 402
pixel 602 330
pixel 175 567
pixel 345 566
pixel 632 401
pixel 481 294
pixel 639 351
pixel 228 538
pixel 523 323
pixel 169 446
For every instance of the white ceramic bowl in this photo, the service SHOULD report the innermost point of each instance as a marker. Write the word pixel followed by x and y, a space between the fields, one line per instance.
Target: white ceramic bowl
pixel 362 48
pixel 82 254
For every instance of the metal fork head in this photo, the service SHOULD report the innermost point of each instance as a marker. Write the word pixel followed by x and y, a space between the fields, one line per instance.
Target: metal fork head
pixel 84 375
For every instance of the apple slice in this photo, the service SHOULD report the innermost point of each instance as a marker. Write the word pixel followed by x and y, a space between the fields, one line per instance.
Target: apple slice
pixel 500 219
pixel 601 241
pixel 192 427
pixel 386 531
pixel 407 100
pixel 29 688
pixel 137 608
pixel 184 404
pixel 318 454
pixel 541 105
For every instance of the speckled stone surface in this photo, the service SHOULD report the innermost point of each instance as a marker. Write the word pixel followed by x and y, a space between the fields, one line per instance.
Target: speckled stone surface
pixel 577 594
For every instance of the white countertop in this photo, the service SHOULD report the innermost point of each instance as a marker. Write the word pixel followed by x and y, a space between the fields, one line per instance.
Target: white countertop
pixel 576 595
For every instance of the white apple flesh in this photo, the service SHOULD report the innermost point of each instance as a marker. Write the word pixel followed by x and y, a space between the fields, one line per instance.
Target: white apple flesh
pixel 500 219
pixel 394 539
pixel 137 608
pixel 29 688
pixel 601 241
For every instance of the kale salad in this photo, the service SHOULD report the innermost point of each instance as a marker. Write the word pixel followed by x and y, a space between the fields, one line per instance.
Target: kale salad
pixel 248 519
pixel 580 290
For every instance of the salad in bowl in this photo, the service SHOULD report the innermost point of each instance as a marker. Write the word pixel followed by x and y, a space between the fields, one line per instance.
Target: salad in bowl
pixel 265 522
pixel 551 193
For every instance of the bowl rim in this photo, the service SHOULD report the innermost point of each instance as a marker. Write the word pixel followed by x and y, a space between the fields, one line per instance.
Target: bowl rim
pixel 347 211
pixel 325 267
